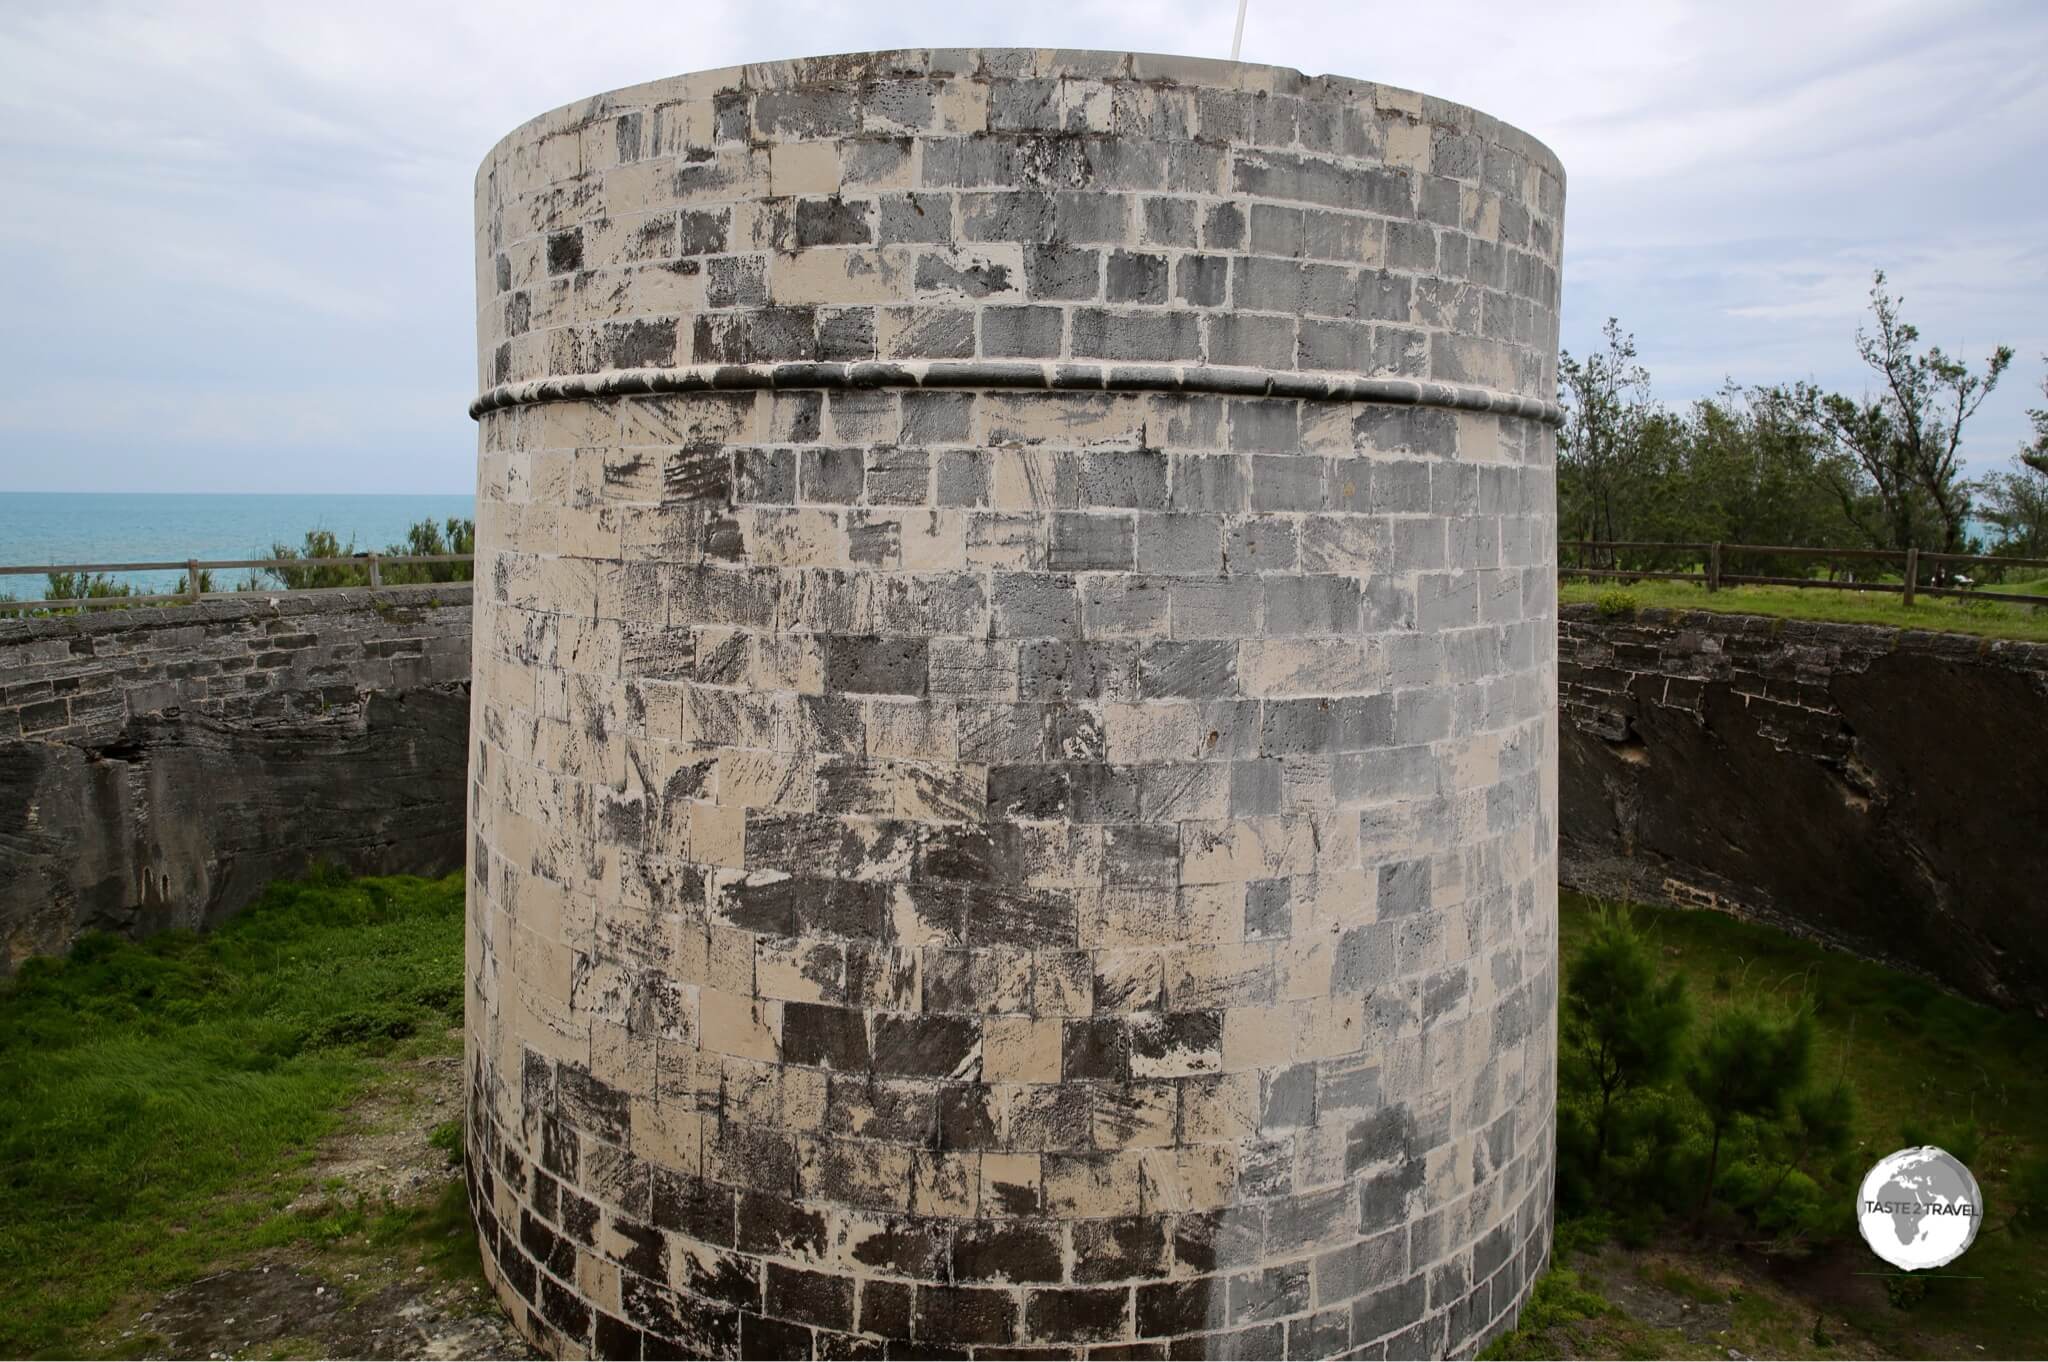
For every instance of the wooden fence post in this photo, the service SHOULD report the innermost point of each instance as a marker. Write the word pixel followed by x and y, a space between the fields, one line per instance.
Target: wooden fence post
pixel 1912 573
pixel 1714 566
pixel 192 580
pixel 376 570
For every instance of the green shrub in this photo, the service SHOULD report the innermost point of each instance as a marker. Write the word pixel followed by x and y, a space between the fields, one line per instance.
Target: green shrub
pixel 1905 1293
pixel 447 1138
pixel 1748 1063
pixel 1557 1298
pixel 1616 603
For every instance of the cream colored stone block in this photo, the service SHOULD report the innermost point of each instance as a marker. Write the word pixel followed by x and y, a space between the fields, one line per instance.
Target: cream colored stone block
pixel 1246 849
pixel 1023 479
pixel 568 425
pixel 836 274
pixel 688 420
pixel 1191 1178
pixel 1288 667
pixel 746 1027
pixel 1021 1050
pixel 730 960
pixel 803 168
pixel 664 290
pixel 1479 437
pixel 667 1134
pixel 597 1279
pixel 1223 1108
pixel 786 662
pixel 1011 1185
pixel 1108 421
pixel 1393 100
pixel 945 1183
pixel 1257 1038
pixel 799 971
pixel 805 1093
pixel 1214 913
pixel 1092 1185
pixel 718 835
pixel 1330 1027
pixel 750 1092
pixel 1407 142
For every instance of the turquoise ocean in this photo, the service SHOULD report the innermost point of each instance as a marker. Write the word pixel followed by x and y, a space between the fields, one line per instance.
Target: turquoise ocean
pixel 40 528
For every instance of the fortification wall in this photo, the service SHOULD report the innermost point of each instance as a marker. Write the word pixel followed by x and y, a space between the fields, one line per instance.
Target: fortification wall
pixel 1014 773
pixel 159 766
pixel 1874 788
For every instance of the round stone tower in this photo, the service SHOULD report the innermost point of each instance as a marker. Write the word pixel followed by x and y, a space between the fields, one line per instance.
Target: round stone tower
pixel 1015 765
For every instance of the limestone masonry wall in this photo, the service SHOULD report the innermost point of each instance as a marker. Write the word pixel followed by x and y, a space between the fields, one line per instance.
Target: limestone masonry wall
pixel 1875 788
pixel 159 766
pixel 1014 746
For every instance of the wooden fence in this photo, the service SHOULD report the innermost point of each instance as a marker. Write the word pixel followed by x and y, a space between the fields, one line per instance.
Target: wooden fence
pixel 1713 573
pixel 374 563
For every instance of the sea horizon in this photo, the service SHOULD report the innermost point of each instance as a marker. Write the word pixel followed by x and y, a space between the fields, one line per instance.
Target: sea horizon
pixel 54 528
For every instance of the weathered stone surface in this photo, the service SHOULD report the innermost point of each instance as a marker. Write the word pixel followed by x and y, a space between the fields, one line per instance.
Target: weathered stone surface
pixel 160 766
pixel 1867 786
pixel 1033 841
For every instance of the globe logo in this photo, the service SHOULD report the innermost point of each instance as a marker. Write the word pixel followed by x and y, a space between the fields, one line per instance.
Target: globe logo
pixel 1919 1208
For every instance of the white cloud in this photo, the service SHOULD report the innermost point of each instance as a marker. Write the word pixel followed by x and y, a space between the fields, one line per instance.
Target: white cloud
pixel 264 206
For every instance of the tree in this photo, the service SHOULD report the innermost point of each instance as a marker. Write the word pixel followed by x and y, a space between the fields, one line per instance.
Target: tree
pixel 1601 447
pixel 1748 476
pixel 1905 442
pixel 1748 1064
pixel 2035 455
pixel 424 539
pixel 2015 503
pixel 317 544
pixel 1628 1023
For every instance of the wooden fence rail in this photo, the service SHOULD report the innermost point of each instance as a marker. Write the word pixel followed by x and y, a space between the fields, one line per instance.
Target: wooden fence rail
pixel 375 563
pixel 1714 573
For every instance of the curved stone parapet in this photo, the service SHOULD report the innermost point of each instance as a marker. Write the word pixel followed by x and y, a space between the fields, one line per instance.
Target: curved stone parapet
pixel 1015 760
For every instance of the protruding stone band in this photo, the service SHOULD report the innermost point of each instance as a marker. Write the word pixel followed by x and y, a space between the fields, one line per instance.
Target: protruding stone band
pixel 1050 377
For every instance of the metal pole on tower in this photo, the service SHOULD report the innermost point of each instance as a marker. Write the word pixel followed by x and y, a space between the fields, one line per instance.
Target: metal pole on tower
pixel 1237 39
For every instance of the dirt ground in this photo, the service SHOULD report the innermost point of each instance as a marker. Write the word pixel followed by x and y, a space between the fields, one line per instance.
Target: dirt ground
pixel 412 1292
pixel 1682 1299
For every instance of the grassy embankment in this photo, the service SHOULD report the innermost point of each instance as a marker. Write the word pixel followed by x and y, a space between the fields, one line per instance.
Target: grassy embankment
pixel 1992 619
pixel 1918 1057
pixel 160 1103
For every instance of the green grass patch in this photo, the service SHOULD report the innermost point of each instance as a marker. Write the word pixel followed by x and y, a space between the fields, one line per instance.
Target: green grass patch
pixel 159 1101
pixel 1991 619
pixel 1924 1062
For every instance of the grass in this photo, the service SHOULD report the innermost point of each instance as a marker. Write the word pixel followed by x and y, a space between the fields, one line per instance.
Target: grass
pixel 162 1099
pixel 1679 1282
pixel 1920 1059
pixel 1991 619
pixel 1557 1301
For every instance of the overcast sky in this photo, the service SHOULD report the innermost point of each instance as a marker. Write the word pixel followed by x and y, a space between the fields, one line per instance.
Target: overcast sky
pixel 237 238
